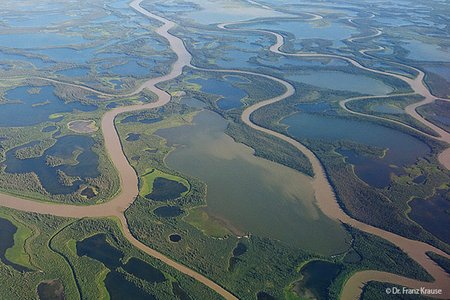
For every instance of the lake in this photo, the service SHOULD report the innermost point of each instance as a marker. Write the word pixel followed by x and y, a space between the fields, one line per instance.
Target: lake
pixel 253 194
pixel 403 149
pixel 64 148
pixel 231 95
pixel 25 107
pixel 341 81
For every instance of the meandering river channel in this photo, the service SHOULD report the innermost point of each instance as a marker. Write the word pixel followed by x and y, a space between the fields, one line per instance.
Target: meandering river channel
pixel 323 191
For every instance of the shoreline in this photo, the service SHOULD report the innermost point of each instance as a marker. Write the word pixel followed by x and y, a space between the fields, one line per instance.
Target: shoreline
pixel 324 193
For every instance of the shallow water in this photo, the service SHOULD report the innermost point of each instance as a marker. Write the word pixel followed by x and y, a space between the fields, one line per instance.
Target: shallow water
pixel 340 81
pixel 253 194
pixel 334 32
pixel 426 52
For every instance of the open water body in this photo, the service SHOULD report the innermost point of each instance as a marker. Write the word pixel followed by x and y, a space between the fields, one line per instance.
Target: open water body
pixel 403 149
pixel 426 52
pixel 224 11
pixel 253 194
pixel 231 95
pixel 86 167
pixel 39 40
pixel 7 231
pixel 98 248
pixel 341 81
pixel 334 32
pixel 317 278
pixel 25 109
pixel 432 214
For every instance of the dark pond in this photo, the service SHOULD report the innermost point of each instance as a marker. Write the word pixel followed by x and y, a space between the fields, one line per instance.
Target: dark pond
pixel 143 270
pixel 98 248
pixel 264 296
pixel 232 96
pixel 136 118
pixel 239 250
pixel 88 192
pixel 7 231
pixel 317 278
pixel 175 238
pixel 49 128
pixel 420 179
pixel 179 292
pixel 30 109
pixel 51 290
pixel 165 189
pixel 403 149
pixel 168 211
pixel 86 167
pixel 132 137
pixel 119 288
pixel 433 214
pixel 112 105
pixel 373 171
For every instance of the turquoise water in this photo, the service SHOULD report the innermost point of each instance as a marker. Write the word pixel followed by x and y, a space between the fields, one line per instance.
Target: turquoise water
pixel 75 72
pixel 340 81
pixel 25 109
pixel 402 148
pixel 68 54
pixel 426 52
pixel 37 62
pixel 39 40
pixel 37 20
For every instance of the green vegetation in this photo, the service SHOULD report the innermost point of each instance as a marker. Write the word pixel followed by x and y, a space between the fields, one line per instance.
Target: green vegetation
pixel 147 180
pixel 437 113
pixel 367 106
pixel 200 219
pixel 17 254
pixel 443 262
pixel 386 208
pixel 377 291
pixel 51 247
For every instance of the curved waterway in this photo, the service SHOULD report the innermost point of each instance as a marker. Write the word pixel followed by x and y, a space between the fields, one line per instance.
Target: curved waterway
pixel 323 192
pixel 326 197
pixel 266 199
